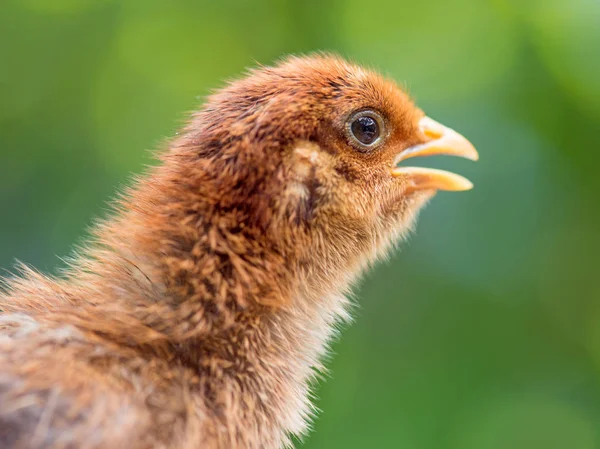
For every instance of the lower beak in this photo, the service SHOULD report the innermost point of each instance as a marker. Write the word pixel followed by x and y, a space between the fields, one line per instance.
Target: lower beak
pixel 444 141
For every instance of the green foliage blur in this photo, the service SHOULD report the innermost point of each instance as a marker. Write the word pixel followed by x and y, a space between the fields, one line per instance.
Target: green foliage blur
pixel 483 332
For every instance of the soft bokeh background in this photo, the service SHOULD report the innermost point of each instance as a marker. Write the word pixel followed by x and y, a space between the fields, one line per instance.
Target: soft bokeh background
pixel 484 333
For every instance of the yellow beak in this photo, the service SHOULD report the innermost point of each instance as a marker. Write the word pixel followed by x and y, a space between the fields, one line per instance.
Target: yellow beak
pixel 444 141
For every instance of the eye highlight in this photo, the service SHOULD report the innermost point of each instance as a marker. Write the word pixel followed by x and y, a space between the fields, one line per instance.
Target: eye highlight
pixel 365 129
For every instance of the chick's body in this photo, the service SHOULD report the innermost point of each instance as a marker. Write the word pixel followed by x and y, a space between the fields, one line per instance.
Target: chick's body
pixel 200 310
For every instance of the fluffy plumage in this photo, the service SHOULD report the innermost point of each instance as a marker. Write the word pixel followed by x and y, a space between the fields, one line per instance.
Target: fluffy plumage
pixel 199 312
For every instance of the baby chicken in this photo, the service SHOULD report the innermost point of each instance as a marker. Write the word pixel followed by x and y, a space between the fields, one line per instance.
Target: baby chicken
pixel 199 311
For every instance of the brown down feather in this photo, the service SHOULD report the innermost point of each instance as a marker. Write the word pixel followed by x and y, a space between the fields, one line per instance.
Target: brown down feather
pixel 200 310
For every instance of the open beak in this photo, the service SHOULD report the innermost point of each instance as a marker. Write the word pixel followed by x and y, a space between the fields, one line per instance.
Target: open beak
pixel 443 141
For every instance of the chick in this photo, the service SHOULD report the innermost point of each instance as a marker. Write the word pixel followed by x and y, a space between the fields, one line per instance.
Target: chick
pixel 198 313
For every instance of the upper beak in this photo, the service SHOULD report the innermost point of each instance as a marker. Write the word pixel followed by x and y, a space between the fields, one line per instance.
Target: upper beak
pixel 443 141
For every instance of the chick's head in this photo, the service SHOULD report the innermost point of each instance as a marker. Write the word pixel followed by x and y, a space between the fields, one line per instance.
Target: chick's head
pixel 307 154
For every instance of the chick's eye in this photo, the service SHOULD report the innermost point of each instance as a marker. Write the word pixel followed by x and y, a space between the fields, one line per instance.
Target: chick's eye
pixel 365 129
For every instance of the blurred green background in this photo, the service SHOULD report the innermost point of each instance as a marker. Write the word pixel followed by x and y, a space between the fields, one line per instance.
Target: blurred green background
pixel 484 332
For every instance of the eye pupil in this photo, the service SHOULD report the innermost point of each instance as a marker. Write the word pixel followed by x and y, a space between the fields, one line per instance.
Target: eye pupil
pixel 365 129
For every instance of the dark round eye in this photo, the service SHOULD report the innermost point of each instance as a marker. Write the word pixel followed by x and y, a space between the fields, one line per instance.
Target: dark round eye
pixel 365 129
